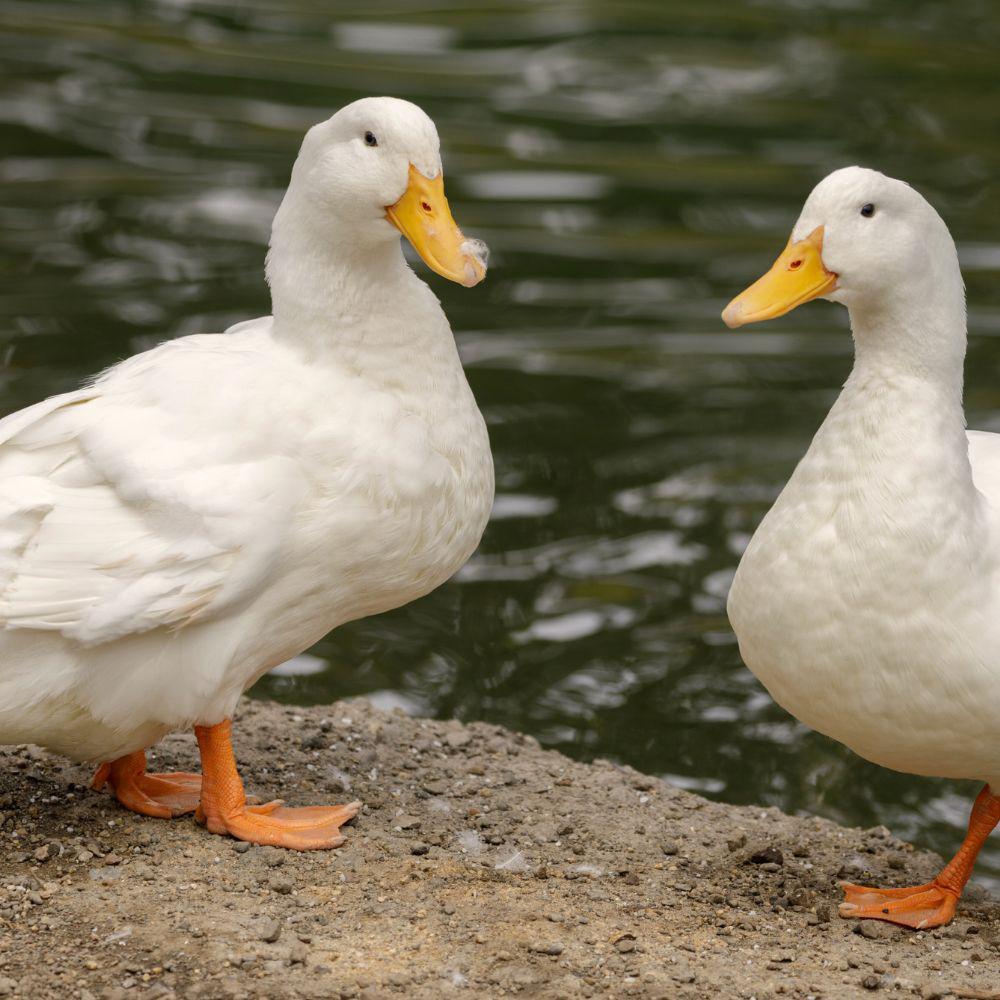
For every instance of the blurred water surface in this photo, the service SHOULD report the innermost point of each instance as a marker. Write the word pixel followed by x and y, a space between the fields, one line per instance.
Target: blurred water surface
pixel 632 165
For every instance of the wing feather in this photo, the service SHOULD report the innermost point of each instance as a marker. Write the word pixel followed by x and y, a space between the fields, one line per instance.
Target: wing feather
pixel 111 524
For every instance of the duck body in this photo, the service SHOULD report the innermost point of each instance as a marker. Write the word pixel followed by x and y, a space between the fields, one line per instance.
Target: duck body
pixel 333 497
pixel 868 600
pixel 205 510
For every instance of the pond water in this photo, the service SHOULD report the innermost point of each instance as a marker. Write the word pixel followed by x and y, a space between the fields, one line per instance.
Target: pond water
pixel 632 165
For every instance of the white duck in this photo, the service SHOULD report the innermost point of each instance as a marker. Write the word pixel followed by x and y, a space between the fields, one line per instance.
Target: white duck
pixel 205 510
pixel 868 601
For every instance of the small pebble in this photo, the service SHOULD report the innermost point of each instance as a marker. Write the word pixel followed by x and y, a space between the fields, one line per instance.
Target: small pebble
pixel 280 884
pixel 625 944
pixel 270 930
pixel 273 857
pixel 550 948
pixel 878 930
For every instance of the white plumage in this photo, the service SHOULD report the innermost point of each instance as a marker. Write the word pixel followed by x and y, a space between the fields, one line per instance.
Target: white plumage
pixel 868 600
pixel 207 509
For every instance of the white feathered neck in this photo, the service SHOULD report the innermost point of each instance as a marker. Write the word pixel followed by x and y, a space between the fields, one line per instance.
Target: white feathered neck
pixel 359 302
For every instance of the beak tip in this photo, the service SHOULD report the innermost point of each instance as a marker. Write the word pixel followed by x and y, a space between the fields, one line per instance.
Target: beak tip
pixel 474 256
pixel 732 315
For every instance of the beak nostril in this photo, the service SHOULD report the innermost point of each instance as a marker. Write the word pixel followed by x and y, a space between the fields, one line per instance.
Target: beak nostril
pixel 795 265
pixel 426 207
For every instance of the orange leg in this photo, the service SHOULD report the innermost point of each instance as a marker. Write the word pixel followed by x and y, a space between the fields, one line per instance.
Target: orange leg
pixel 162 795
pixel 224 806
pixel 933 904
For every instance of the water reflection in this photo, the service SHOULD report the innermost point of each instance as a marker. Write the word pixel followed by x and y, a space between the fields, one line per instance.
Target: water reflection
pixel 631 165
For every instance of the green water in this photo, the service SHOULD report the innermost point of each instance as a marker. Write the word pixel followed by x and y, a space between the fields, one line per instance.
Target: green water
pixel 632 165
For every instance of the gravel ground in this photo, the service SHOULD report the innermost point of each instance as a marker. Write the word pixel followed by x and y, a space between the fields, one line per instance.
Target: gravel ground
pixel 480 866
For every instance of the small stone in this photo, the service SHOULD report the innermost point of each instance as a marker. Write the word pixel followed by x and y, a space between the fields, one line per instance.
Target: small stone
pixel 458 738
pixel 406 822
pixel 43 853
pixel 241 846
pixel 280 884
pixel 550 948
pixel 7 986
pixel 871 982
pixel 273 857
pixel 878 930
pixel 737 842
pixel 669 848
pixel 270 930
pixel 419 849
pixel 298 953
pixel 768 856
pixel 625 944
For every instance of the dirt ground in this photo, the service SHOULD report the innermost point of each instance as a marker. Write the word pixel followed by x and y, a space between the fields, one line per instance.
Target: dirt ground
pixel 480 866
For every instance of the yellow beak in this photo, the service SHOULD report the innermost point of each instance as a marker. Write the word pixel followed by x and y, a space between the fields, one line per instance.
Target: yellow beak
pixel 797 276
pixel 423 217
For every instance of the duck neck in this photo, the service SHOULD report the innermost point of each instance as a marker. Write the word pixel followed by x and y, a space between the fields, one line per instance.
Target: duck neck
pixel 351 302
pixel 914 338
pixel 899 419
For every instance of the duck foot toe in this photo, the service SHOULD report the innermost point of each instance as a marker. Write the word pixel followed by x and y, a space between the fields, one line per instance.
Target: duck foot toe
pixel 919 907
pixel 161 795
pixel 307 828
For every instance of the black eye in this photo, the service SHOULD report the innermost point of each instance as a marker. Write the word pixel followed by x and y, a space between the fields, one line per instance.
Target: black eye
pixel 868 210
pixel 370 139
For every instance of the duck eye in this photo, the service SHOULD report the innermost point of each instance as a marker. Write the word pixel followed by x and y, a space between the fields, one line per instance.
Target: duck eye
pixel 370 139
pixel 868 210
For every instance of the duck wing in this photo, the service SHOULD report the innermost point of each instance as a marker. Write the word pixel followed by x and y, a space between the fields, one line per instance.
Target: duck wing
pixel 121 511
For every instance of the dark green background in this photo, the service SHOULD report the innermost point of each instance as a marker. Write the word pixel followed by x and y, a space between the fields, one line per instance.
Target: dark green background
pixel 632 166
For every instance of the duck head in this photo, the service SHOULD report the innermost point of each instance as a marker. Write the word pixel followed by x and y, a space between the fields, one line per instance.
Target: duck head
pixel 373 171
pixel 867 241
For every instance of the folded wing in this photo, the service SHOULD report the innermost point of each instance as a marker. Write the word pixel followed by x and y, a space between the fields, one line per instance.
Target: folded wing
pixel 111 524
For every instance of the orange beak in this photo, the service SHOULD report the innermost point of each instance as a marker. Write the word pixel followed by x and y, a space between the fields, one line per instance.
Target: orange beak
pixel 422 215
pixel 797 276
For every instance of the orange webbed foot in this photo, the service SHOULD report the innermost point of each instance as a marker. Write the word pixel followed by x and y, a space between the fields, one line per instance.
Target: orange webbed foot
pixel 224 807
pixel 308 828
pixel 919 907
pixel 931 904
pixel 161 795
